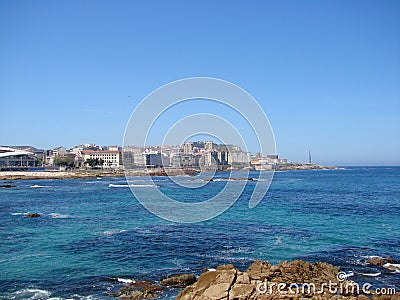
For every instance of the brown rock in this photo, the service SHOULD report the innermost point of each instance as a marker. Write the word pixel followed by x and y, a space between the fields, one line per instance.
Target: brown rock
pixel 379 261
pixel 392 268
pixel 211 285
pixel 139 290
pixel 294 271
pixel 259 270
pixel 7 186
pixel 396 296
pixel 325 272
pixel 240 291
pixel 186 293
pixel 217 291
pixel 227 283
pixel 180 280
pixel 242 278
pixel 32 215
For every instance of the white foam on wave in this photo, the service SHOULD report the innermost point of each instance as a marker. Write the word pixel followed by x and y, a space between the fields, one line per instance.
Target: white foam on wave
pixel 350 274
pixel 59 216
pixel 38 294
pixel 39 186
pixel 111 185
pixel 75 297
pixel 371 274
pixel 392 267
pixel 113 232
pixel 31 293
pixel 373 256
pixel 126 281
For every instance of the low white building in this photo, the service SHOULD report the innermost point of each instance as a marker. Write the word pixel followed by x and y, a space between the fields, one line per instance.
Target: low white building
pixel 111 158
pixel 262 164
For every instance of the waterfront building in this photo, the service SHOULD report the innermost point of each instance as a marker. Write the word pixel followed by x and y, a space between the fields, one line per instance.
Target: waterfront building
pixel 261 164
pixel 15 159
pixel 268 162
pixel 185 160
pixel 111 158
pixel 155 159
pixel 282 161
pixel 239 158
pixel 216 158
pixel 188 148
pixel 78 160
pixel 40 154
pixel 222 158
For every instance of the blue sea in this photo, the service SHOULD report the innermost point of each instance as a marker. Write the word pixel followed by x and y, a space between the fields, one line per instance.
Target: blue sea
pixel 90 234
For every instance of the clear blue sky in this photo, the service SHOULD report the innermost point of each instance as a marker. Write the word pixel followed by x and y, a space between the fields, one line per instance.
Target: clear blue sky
pixel 327 73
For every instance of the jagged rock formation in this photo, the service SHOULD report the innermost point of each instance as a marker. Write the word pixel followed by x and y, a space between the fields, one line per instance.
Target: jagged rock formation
pixel 288 280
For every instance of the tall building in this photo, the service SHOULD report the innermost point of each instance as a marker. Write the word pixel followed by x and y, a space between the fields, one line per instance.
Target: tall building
pixel 216 158
pixel 154 160
pixel 188 148
pixel 209 145
pixel 222 158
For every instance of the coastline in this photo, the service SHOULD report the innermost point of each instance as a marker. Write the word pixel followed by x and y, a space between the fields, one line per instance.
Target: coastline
pixel 297 279
pixel 90 174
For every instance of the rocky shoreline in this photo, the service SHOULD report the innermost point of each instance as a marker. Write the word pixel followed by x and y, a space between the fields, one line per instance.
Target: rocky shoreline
pixel 288 280
pixel 91 174
pixel 304 167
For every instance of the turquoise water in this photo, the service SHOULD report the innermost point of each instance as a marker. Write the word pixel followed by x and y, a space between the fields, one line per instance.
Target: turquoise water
pixel 89 234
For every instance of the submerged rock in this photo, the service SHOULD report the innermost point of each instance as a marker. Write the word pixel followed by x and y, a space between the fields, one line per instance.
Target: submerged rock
pixel 148 290
pixel 139 290
pixel 379 261
pixel 179 280
pixel 32 215
pixel 392 267
pixel 7 186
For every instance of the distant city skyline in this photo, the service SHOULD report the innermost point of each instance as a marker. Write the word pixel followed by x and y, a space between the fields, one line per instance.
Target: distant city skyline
pixel 326 73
